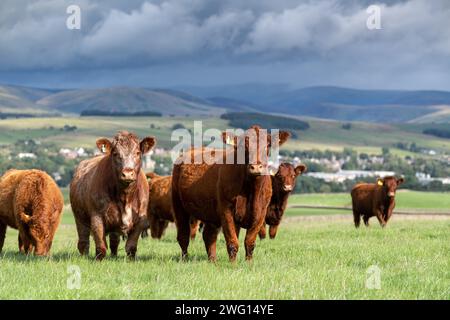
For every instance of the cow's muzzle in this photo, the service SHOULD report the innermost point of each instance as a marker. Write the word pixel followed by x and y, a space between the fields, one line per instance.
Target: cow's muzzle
pixel 287 187
pixel 258 169
pixel 127 176
pixel 391 194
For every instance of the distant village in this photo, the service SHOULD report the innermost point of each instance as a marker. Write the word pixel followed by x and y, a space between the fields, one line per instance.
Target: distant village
pixel 334 166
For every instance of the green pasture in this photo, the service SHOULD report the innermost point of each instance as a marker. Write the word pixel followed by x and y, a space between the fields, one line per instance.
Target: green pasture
pixel 322 134
pixel 308 260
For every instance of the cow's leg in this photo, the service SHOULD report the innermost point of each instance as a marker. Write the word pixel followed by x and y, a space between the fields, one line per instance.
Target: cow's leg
pixel 114 241
pixel 84 231
pixel 380 218
pixel 183 226
pixel 366 220
pixel 194 227
pixel 210 233
pixel 133 238
pixel 2 235
pixel 131 245
pixel 144 234
pixel 98 231
pixel 183 234
pixel 163 224
pixel 229 232
pixel 389 212
pixel 273 231
pixel 357 218
pixel 19 239
pixel 250 241
pixel 262 231
pixel 25 245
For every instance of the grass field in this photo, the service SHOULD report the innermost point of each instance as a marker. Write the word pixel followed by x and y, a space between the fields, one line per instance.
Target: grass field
pixel 405 200
pixel 322 135
pixel 308 260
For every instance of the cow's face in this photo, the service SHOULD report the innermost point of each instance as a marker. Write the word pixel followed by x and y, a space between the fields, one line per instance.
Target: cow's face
pixel 287 174
pixel 390 185
pixel 256 144
pixel 126 153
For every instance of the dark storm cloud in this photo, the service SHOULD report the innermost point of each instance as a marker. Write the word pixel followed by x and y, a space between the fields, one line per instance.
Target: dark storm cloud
pixel 301 42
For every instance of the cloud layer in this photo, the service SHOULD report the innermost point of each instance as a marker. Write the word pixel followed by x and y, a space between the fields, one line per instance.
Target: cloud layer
pixel 312 37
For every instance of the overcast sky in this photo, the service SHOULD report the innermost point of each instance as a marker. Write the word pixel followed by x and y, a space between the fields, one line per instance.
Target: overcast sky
pixel 212 42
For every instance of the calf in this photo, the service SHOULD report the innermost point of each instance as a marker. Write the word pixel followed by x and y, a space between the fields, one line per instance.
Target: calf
pixel 160 209
pixel 209 192
pixel 374 199
pixel 109 195
pixel 283 183
pixel 31 202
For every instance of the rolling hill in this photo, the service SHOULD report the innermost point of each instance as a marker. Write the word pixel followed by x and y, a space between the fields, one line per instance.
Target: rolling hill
pixel 127 99
pixel 362 105
pixel 337 103
pixel 15 99
pixel 325 102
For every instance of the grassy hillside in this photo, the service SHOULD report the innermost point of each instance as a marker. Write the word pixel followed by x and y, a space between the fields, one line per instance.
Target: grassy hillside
pixel 322 134
pixel 14 99
pixel 360 105
pixel 382 106
pixel 126 99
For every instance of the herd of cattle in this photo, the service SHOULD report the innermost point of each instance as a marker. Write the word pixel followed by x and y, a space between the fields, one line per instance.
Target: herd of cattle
pixel 111 195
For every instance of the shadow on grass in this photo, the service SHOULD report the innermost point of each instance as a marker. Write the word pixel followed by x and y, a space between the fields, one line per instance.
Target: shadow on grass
pixel 31 258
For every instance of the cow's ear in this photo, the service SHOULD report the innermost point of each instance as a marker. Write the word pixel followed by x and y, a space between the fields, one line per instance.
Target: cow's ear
pixel 283 136
pixel 104 145
pixel 229 138
pixel 380 182
pixel 147 144
pixel 400 181
pixel 300 169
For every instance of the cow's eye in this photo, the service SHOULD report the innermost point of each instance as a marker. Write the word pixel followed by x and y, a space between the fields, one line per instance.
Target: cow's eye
pixel 138 153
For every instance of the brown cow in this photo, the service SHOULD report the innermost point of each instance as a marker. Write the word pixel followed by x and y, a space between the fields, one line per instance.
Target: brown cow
pixel 209 192
pixel 160 209
pixel 283 183
pixel 31 202
pixel 374 199
pixel 109 195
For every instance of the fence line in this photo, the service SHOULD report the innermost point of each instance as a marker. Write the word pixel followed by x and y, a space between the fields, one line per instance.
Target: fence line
pixel 301 206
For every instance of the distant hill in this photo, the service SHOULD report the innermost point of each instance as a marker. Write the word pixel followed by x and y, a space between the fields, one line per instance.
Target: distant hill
pixel 233 104
pixel 16 99
pixel 362 105
pixel 125 99
pixel 254 93
pixel 337 103
pixel 324 102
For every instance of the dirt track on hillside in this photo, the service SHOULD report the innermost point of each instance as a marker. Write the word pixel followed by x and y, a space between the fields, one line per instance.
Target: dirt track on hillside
pixel 349 217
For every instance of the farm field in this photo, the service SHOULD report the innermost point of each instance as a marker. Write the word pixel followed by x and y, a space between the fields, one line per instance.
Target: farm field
pixel 406 200
pixel 322 134
pixel 308 260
